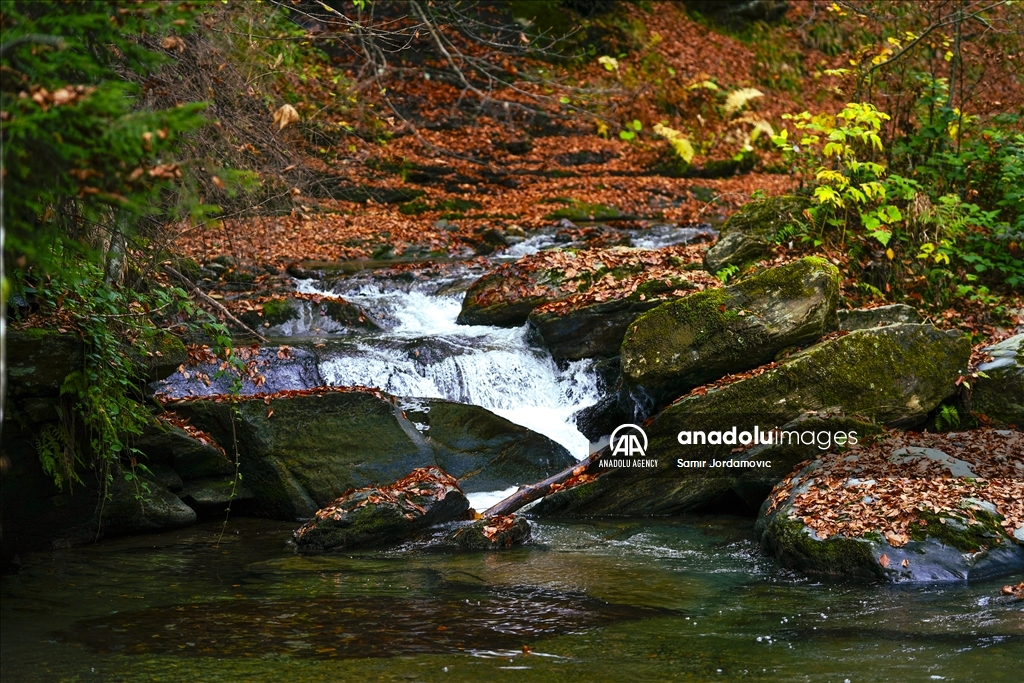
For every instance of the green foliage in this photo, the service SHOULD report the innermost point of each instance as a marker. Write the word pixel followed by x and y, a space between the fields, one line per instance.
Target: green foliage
pixel 963 249
pixel 947 418
pixel 76 148
pixel 115 323
pixel 727 273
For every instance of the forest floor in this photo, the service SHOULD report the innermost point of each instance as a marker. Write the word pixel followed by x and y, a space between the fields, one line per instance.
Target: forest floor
pixel 444 181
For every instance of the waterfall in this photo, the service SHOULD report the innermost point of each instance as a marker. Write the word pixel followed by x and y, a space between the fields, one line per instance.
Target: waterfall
pixel 423 353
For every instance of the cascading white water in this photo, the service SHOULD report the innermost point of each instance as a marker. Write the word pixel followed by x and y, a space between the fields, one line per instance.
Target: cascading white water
pixel 426 354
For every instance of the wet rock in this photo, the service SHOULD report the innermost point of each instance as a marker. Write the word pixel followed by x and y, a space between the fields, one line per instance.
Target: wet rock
pixel 964 542
pixel 506 295
pixel 999 395
pixel 164 353
pixel 595 329
pixel 188 457
pixel 485 451
pixel 383 515
pixel 287 316
pixel 865 318
pixel 269 369
pixel 38 360
pixel 750 232
pixel 888 375
pixel 313 447
pixel 701 337
pixel 207 496
pixel 599 420
pixel 492 533
pixel 142 505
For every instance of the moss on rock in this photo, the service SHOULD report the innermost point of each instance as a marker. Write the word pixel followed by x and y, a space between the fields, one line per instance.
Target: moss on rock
pixel 698 338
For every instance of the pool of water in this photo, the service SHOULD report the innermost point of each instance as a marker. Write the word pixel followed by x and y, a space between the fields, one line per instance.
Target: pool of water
pixel 686 599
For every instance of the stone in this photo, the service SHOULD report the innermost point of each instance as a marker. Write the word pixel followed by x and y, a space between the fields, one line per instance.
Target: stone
pixel 39 359
pixel 383 515
pixel 287 316
pixel 213 495
pixel 893 375
pixel 506 296
pixel 273 368
pixel 962 544
pixel 164 353
pixel 865 318
pixel 166 445
pixel 313 447
pixel 999 393
pixel 750 232
pixel 595 329
pixel 492 533
pixel 699 338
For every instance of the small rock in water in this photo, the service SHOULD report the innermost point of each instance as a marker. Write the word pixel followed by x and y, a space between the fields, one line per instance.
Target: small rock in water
pixel 380 515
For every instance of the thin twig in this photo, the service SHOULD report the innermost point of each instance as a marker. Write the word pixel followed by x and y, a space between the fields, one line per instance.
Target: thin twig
pixel 213 302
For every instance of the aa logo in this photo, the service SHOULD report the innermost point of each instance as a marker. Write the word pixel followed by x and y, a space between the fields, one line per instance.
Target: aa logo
pixel 628 440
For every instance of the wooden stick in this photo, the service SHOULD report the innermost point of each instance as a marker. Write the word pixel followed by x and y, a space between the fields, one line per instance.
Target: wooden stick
pixel 531 492
pixel 213 302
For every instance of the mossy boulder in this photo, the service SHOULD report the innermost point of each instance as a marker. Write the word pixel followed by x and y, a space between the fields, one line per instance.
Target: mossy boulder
pixel 382 515
pixel 313 447
pixel 163 354
pixel 998 391
pixel 750 232
pixel 39 359
pixel 212 496
pixel 866 318
pixel 699 338
pixel 888 375
pixel 507 295
pixel 164 444
pixel 595 329
pixel 492 533
pixel 288 316
pixel 962 542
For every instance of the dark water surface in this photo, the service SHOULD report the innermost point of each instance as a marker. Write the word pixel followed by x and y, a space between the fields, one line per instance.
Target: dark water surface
pixel 690 599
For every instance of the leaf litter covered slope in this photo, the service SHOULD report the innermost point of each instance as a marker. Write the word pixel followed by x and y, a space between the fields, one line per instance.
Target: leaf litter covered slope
pixel 872 493
pixel 468 158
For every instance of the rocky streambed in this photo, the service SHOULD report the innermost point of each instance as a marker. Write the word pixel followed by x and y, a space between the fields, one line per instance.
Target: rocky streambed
pixel 500 374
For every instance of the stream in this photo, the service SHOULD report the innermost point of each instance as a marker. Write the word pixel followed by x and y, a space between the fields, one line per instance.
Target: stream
pixel 689 598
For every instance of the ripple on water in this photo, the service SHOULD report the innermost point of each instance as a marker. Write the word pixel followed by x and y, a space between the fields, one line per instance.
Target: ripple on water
pixel 463 621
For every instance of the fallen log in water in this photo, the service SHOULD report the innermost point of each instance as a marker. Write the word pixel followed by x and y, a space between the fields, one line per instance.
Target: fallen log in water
pixel 577 474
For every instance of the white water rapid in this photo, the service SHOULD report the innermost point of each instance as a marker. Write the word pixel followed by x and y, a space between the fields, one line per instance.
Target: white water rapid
pixel 423 353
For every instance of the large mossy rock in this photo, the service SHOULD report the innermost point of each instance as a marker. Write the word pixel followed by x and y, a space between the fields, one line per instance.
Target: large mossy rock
pixel 302 451
pixel 889 375
pixel 699 338
pixel 507 295
pixel 588 328
pixel 999 394
pixel 916 514
pixel 37 515
pixel 164 353
pixel 297 315
pixel 750 232
pixel 382 515
pixel 38 360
